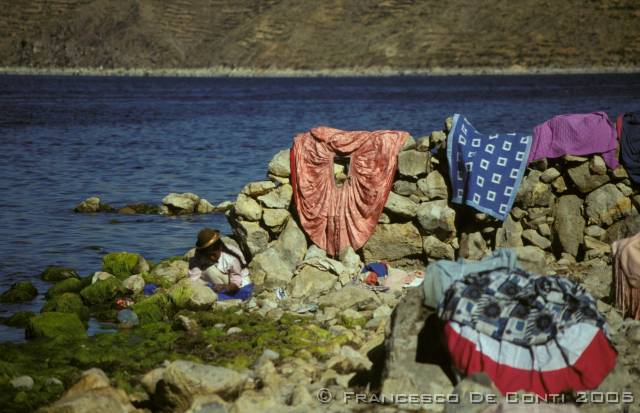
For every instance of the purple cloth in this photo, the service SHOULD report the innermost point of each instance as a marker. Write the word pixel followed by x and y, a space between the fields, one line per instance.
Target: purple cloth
pixel 576 134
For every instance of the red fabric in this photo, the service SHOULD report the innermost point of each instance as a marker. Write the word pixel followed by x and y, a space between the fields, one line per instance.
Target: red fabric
pixel 597 360
pixel 619 126
pixel 336 217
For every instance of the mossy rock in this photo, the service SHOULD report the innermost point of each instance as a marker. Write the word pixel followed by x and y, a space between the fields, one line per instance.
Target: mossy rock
pixel 149 209
pixel 55 325
pixel 157 280
pixel 152 309
pixel 54 273
pixel 19 292
pixel 67 303
pixel 19 319
pixel 121 264
pixel 102 292
pixel 71 285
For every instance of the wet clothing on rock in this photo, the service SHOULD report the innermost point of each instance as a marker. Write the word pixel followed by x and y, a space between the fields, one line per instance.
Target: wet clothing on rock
pixel 541 334
pixel 626 253
pixel 485 171
pixel 333 216
pixel 576 134
pixel 629 134
pixel 230 268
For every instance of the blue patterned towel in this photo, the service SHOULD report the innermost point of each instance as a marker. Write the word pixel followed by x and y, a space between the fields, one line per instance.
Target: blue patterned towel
pixel 486 170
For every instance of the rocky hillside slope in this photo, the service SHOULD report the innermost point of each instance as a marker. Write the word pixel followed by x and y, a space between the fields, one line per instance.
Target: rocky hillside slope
pixel 289 34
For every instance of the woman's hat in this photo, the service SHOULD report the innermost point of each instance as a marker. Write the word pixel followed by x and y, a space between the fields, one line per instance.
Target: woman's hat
pixel 206 238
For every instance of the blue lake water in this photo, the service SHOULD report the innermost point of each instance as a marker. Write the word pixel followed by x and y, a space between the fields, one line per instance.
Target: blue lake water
pixel 63 139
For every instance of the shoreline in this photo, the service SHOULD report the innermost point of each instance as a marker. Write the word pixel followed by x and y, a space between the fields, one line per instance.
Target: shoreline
pixel 220 71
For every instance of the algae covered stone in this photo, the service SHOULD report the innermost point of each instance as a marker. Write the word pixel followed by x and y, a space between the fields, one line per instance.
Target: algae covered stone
pixel 67 303
pixel 70 285
pixel 19 292
pixel 19 319
pixel 121 264
pixel 158 307
pixel 170 271
pixel 192 294
pixel 55 324
pixel 54 273
pixel 102 292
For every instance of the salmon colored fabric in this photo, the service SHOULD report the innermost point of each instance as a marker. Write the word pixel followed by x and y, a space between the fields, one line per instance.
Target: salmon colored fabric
pixel 627 275
pixel 336 217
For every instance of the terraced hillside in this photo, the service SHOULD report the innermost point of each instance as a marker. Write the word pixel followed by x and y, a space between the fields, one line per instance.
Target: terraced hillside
pixel 324 34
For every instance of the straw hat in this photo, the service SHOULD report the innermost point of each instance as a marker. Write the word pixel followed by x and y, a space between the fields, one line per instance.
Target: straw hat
pixel 206 238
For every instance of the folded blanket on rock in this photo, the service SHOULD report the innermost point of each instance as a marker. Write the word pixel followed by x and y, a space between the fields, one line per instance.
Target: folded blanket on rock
pixel 485 170
pixel 335 216
pixel 630 144
pixel 576 134
pixel 540 334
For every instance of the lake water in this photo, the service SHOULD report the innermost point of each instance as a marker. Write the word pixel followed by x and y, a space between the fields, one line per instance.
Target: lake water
pixel 127 140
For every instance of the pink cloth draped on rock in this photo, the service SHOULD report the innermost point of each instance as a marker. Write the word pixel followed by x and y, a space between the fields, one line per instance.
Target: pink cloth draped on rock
pixel 334 216
pixel 627 275
pixel 576 134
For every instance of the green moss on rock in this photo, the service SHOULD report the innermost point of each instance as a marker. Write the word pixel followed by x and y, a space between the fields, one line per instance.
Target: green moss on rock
pixel 67 303
pixel 71 285
pixel 102 292
pixel 55 325
pixel 152 309
pixel 55 273
pixel 121 264
pixel 19 292
pixel 19 319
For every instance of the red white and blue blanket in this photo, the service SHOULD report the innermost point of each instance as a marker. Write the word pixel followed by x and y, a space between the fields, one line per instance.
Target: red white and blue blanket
pixel 486 170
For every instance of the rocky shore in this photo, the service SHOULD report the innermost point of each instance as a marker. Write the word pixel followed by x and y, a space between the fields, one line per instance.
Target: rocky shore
pixel 309 331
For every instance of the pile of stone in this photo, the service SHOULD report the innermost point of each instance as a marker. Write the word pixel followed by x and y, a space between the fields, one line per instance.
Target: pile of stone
pixel 567 210
pixel 173 204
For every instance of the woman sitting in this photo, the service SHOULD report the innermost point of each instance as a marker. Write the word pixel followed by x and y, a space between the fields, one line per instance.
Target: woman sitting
pixel 222 266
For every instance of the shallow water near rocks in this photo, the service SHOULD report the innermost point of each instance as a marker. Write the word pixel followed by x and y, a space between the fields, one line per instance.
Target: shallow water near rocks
pixel 133 140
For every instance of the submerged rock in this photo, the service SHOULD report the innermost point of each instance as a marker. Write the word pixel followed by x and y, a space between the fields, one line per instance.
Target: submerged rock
pixel 54 273
pixel 19 319
pixel 19 292
pixel 71 285
pixel 55 324
pixel 127 318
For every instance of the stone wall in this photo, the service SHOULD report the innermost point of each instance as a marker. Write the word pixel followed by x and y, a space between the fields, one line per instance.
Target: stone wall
pixel 567 210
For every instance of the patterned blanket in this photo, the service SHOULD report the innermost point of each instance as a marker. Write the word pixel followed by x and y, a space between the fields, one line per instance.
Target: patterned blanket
pixel 486 170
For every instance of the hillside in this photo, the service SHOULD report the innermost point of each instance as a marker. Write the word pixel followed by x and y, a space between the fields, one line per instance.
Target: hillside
pixel 329 34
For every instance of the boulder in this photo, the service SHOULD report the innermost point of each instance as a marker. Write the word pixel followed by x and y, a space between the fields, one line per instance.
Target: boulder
pixel 102 292
pixel 53 324
pixel 224 206
pixel 584 180
pixel 510 234
pixel 19 292
pixel 595 232
pixel 270 269
pixel 91 204
pixel 275 219
pixel 405 188
pixel 438 136
pixel 67 303
pixel 414 352
pixel 151 379
pixel 292 244
pixel 559 185
pixel 408 144
pixel 180 204
pixel 127 318
pixel 422 144
pixel 204 207
pixel 192 294
pixel 606 205
pixel 400 206
pixel 533 192
pixel 349 360
pixel 171 270
pixel 569 223
pixel 183 380
pixel 124 264
pixel 620 173
pixel 280 164
pixel 54 273
pixel 598 280
pixel 255 189
pixel 311 281
pixel 71 285
pixel 474 393
pixel 435 217
pixel 473 246
pixel 152 309
pixel 623 229
pixel 350 297
pixel 19 319
pixel 434 186
pixel 278 198
pixel 392 242
pixel 252 236
pixel 412 163
pixel 134 284
pixel 248 208
pixel 436 249
pixel 549 175
pixel 532 259
pixel 597 165
pixel 533 238
pixel 100 276
pixel 22 383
